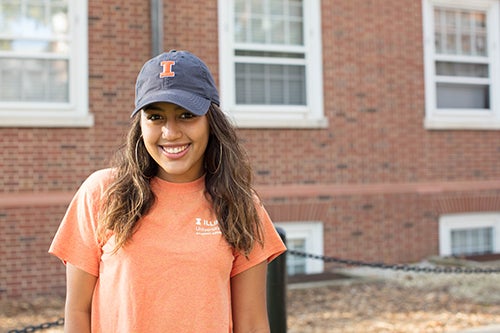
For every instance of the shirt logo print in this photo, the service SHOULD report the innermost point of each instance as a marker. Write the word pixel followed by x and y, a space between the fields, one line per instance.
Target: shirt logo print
pixel 207 227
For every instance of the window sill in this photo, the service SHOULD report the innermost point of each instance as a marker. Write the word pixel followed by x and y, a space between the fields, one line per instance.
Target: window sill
pixel 459 124
pixel 44 120
pixel 274 123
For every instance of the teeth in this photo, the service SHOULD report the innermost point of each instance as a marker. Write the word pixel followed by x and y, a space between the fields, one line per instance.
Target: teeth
pixel 175 150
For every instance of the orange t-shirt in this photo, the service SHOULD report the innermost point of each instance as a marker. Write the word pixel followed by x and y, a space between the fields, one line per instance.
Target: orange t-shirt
pixel 174 274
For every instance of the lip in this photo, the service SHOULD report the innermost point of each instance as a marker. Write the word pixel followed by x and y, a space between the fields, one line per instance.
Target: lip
pixel 175 151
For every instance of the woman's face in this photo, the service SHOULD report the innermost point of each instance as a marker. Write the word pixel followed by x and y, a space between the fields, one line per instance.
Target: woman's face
pixel 176 139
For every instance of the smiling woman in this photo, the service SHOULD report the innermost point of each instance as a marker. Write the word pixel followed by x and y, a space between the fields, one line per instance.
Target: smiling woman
pixel 181 187
pixel 176 139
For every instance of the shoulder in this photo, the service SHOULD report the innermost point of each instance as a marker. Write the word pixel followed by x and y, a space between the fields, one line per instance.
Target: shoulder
pixel 259 205
pixel 99 176
pixel 98 181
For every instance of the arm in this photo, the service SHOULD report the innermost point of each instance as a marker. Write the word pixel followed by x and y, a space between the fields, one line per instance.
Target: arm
pixel 79 290
pixel 248 297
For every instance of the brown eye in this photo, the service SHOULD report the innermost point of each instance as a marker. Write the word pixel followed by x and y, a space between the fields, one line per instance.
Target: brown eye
pixel 187 115
pixel 153 117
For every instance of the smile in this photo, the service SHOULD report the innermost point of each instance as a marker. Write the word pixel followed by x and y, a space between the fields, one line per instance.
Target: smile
pixel 175 150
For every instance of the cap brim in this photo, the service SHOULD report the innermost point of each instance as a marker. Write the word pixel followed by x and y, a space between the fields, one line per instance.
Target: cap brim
pixel 191 102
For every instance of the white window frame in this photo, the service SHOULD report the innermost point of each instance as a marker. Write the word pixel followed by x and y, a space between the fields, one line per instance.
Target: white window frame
pixel 274 116
pixel 462 118
pixel 312 233
pixel 450 222
pixel 74 113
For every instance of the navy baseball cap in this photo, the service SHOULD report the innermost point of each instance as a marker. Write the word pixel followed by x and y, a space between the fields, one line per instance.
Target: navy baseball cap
pixel 177 77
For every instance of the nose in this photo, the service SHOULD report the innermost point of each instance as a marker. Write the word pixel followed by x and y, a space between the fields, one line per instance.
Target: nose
pixel 170 130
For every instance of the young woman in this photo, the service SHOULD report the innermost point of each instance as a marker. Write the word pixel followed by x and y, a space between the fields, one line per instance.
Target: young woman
pixel 173 238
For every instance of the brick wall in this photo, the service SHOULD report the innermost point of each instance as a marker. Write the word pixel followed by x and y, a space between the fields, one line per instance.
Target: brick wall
pixel 41 168
pixel 375 177
pixel 388 223
pixel 26 269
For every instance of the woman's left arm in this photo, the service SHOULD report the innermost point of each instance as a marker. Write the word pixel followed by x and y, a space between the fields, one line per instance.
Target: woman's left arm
pixel 248 297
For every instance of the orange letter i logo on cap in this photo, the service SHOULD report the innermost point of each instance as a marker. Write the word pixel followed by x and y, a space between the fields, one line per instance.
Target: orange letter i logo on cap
pixel 167 68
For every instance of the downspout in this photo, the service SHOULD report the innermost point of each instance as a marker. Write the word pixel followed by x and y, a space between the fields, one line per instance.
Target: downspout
pixel 156 27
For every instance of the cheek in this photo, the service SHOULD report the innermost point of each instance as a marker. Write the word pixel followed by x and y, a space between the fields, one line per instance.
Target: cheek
pixel 203 139
pixel 149 134
pixel 205 130
pixel 150 138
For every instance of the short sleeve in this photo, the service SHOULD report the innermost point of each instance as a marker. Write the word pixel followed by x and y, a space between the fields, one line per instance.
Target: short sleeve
pixel 273 246
pixel 75 241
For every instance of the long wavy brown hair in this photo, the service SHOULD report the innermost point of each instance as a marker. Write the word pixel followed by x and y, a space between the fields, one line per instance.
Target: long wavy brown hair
pixel 228 183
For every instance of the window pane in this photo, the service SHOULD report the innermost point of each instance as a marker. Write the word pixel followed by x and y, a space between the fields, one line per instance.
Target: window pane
pixel 40 30
pixel 295 264
pixel 460 32
pixel 240 29
pixel 59 20
pixel 257 6
pixel 480 36
pixel 34 19
pixel 450 32
pixel 295 9
pixel 472 241
pixel 480 45
pixel 10 80
pixel 239 6
pixel 258 31
pixel 34 80
pixel 269 22
pixel 296 34
pixel 36 22
pixel 37 46
pixel 277 34
pixel 277 7
pixel 58 90
pixel 276 86
pixel 270 84
pixel 461 69
pixel 462 96
pixel 10 16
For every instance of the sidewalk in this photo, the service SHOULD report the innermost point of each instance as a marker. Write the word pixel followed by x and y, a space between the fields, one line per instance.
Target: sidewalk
pixel 484 329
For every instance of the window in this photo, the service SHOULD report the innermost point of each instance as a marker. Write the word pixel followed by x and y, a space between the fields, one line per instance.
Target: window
pixel 270 68
pixel 472 241
pixel 43 63
pixel 462 74
pixel 304 237
pixel 295 264
pixel 469 234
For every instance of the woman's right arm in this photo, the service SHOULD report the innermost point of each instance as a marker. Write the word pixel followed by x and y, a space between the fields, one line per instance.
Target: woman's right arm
pixel 79 290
